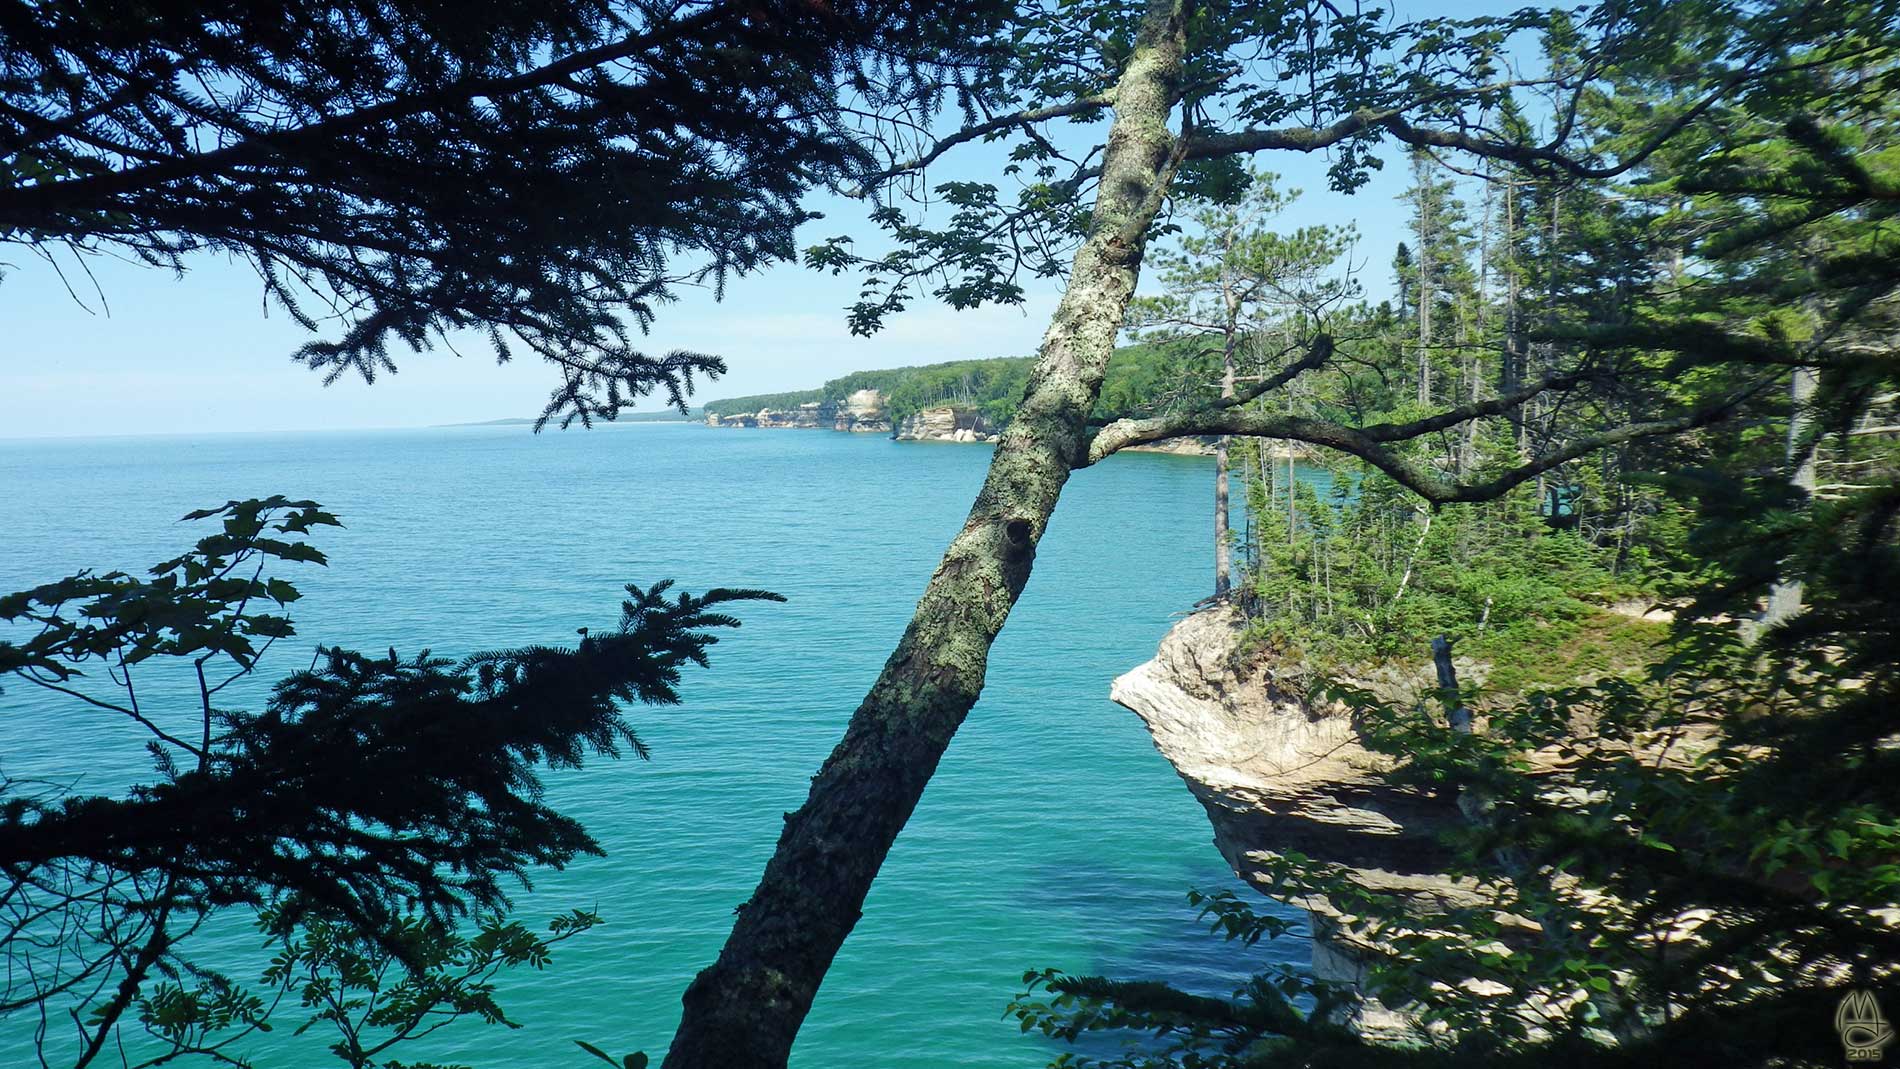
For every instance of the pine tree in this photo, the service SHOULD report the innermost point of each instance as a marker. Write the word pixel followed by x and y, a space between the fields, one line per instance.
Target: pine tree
pixel 540 174
pixel 383 796
pixel 1442 282
pixel 1692 863
pixel 1224 287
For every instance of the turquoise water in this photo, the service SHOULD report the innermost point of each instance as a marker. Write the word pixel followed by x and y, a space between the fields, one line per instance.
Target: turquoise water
pixel 1052 835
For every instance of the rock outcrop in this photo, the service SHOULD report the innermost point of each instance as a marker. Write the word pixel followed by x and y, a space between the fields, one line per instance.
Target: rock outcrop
pixel 946 423
pixel 865 412
pixel 862 412
pixel 812 415
pixel 1186 447
pixel 1281 773
pixel 1204 447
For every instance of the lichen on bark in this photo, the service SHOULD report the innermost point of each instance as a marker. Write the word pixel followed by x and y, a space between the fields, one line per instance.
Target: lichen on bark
pixel 745 1009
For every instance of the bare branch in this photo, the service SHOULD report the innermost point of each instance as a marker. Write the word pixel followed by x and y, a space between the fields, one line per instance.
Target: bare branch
pixel 1371 444
pixel 1549 158
pixel 970 133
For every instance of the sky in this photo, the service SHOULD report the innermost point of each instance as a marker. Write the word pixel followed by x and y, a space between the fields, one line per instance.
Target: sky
pixel 203 352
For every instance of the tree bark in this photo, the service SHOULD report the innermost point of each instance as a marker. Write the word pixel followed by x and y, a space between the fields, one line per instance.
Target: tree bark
pixel 1292 506
pixel 1512 367
pixel 745 1009
pixel 1223 523
pixel 1426 235
pixel 1786 596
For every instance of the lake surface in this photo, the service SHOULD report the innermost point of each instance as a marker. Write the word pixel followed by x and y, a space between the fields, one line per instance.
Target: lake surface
pixel 1052 835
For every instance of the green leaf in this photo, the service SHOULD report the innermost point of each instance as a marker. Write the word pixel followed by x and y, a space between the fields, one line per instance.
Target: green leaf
pixel 596 1052
pixel 1840 841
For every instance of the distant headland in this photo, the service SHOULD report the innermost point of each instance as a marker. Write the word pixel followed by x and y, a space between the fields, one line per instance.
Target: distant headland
pixel 957 401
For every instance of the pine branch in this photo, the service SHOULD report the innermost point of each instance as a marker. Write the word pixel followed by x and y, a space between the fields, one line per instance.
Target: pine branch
pixel 25 200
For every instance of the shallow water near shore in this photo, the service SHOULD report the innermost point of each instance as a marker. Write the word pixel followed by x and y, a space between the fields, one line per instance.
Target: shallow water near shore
pixel 1052 835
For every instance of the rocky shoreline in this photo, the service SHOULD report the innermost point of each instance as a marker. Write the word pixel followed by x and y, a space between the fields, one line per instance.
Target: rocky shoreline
pixel 1281 773
pixel 865 412
pixel 861 413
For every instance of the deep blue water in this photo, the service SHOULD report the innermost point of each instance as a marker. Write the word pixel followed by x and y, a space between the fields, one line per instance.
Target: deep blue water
pixel 1052 835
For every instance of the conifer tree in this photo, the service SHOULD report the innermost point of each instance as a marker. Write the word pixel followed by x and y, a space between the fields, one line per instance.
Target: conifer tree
pixel 1692 863
pixel 539 174
pixel 382 796
pixel 1440 278
pixel 1343 82
pixel 1225 282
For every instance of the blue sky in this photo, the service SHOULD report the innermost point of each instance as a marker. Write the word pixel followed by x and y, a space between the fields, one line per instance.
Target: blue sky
pixel 202 353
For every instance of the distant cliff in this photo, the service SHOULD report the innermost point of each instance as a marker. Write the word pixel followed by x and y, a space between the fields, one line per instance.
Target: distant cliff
pixel 865 412
pixel 862 412
pixel 966 400
pixel 947 423
pixel 959 400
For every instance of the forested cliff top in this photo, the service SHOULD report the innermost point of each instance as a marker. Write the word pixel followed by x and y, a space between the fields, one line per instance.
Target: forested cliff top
pixel 1141 378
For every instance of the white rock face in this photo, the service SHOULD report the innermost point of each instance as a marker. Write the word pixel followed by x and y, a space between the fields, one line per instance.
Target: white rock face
pixel 863 413
pixel 946 423
pixel 1278 773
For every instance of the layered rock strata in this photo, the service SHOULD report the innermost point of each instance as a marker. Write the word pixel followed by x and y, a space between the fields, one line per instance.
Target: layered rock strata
pixel 863 412
pixel 946 423
pixel 1280 773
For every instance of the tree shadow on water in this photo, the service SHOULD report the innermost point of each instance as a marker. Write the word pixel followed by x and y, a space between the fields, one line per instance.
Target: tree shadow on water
pixel 1133 922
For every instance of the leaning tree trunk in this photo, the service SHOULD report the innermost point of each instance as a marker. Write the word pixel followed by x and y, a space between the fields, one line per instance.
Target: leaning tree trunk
pixel 745 1009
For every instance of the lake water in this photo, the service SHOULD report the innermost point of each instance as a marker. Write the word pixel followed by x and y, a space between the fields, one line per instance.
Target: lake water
pixel 1052 835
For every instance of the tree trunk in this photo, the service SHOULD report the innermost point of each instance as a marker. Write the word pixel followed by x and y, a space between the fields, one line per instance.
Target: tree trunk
pixel 1424 337
pixel 1513 364
pixel 1223 536
pixel 1223 580
pixel 1422 178
pixel 745 1009
pixel 1786 596
pixel 1292 506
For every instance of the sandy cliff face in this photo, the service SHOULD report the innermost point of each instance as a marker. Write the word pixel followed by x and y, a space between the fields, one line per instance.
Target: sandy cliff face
pixel 1280 773
pixel 946 423
pixel 1187 447
pixel 861 412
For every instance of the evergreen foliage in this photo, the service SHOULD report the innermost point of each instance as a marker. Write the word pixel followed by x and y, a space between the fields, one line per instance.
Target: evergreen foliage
pixel 1144 378
pixel 345 984
pixel 540 173
pixel 376 792
pixel 783 402
pixel 1693 861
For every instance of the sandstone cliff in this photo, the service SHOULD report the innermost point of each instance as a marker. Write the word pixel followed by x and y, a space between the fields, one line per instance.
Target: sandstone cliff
pixel 862 412
pixel 946 423
pixel 1280 773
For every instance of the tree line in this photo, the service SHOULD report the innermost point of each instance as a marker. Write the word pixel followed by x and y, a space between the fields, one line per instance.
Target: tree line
pixel 1142 378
